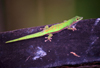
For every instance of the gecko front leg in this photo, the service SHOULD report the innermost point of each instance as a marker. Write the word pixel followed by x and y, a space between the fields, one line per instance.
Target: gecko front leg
pixel 49 37
pixel 73 29
pixel 70 28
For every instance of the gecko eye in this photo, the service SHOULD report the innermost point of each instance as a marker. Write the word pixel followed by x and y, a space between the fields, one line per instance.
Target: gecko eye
pixel 77 19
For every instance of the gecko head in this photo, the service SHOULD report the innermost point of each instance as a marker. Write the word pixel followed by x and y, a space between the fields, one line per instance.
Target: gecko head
pixel 78 18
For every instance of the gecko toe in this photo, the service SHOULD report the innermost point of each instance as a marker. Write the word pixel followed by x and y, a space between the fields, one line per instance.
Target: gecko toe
pixel 46 37
pixel 41 28
pixel 74 29
pixel 45 41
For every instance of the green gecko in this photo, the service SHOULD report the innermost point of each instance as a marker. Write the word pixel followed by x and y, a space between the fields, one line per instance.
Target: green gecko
pixel 51 30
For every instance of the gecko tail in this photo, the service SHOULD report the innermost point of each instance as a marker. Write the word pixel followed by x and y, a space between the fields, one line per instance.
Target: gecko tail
pixel 38 34
pixel 18 39
pixel 12 41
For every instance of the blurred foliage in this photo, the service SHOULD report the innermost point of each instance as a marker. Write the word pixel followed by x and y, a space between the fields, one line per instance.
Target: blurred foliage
pixel 88 8
pixel 29 13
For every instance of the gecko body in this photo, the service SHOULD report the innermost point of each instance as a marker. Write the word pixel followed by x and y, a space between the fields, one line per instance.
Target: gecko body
pixel 50 30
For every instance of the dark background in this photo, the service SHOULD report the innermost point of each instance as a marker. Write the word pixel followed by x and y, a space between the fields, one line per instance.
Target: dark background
pixel 17 14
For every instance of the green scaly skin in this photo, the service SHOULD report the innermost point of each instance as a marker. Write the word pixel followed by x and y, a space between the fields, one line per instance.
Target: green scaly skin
pixel 50 30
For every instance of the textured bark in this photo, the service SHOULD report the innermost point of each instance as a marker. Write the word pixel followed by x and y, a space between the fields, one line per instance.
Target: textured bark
pixel 68 48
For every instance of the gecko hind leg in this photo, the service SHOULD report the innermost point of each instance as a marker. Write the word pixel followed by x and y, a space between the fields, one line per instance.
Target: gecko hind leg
pixel 46 27
pixel 49 37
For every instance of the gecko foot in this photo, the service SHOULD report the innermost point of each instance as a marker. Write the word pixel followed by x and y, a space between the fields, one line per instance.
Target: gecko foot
pixel 74 29
pixel 48 39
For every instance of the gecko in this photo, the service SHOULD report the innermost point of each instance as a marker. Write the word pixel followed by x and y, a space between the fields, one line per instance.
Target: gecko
pixel 51 30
